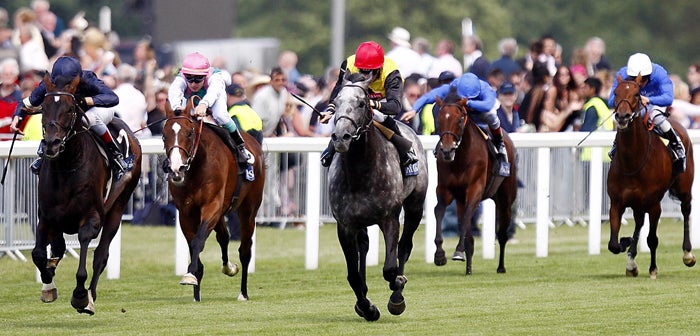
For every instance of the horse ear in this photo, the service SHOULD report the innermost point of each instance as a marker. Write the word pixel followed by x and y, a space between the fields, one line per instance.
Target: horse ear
pixel 169 113
pixel 638 79
pixel 438 101
pixel 74 84
pixel 189 106
pixel 462 102
pixel 47 82
pixel 619 78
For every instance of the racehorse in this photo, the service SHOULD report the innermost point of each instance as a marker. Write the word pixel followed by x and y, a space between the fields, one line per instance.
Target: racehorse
pixel 640 174
pixel 77 192
pixel 206 183
pixel 366 187
pixel 467 174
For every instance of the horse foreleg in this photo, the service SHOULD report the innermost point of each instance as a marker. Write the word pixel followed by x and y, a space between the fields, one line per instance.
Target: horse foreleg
pixel 439 259
pixel 355 252
pixel 615 221
pixel 49 293
pixel 653 239
pixel 247 220
pixel 391 270
pixel 82 300
pixel 195 270
pixel 503 216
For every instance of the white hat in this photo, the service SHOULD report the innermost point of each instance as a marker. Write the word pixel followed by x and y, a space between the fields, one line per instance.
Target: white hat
pixel 400 36
pixel 639 64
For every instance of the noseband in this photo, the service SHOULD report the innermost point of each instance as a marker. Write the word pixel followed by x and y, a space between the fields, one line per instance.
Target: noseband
pixel 69 130
pixel 191 152
pixel 634 107
pixel 463 117
pixel 359 130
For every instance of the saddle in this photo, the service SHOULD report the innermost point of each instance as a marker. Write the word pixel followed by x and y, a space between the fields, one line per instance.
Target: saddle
pixel 503 166
pixel 226 138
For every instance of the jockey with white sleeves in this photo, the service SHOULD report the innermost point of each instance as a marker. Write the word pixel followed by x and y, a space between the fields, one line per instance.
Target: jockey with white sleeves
pixel 481 98
pixel 656 93
pixel 198 78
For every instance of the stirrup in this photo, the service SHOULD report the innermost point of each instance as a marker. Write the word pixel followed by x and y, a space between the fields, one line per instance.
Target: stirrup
pixel 326 158
pixel 409 158
pixel 36 166
pixel 249 158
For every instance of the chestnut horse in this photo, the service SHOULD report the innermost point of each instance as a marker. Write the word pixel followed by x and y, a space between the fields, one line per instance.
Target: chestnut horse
pixel 205 184
pixel 467 173
pixel 77 192
pixel 366 187
pixel 640 174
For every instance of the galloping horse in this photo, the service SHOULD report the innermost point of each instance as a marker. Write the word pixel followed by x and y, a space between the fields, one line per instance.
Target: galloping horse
pixel 366 187
pixel 205 182
pixel 640 174
pixel 77 192
pixel 467 173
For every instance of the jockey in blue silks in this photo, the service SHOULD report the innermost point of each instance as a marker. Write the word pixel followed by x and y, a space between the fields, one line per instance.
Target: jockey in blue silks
pixel 656 91
pixel 481 98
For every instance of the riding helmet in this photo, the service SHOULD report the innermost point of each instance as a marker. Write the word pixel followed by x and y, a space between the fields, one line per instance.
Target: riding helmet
pixel 195 64
pixel 369 55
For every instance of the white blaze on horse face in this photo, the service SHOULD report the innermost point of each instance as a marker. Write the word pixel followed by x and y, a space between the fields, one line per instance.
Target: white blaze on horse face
pixel 55 98
pixel 176 160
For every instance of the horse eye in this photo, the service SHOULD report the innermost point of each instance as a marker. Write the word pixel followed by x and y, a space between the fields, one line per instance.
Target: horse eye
pixel 362 104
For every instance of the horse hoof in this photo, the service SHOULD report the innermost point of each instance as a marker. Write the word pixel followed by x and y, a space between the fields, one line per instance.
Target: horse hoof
pixel 49 293
pixel 440 259
pixel 242 297
pixel 459 256
pixel 84 305
pixel 396 308
pixel 371 315
pixel 689 259
pixel 189 279
pixel 230 269
pixel 501 270
pixel 632 273
pixel 652 274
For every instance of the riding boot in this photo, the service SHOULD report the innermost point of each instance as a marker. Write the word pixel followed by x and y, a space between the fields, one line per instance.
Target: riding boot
pixel 36 165
pixel 677 150
pixel 119 164
pixel 407 155
pixel 504 165
pixel 327 155
pixel 240 145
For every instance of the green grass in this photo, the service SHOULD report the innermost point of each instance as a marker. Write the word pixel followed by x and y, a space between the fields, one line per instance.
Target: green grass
pixel 569 292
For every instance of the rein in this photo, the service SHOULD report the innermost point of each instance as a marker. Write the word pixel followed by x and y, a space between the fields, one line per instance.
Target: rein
pixel 463 124
pixel 195 145
pixel 70 129
pixel 359 130
pixel 636 112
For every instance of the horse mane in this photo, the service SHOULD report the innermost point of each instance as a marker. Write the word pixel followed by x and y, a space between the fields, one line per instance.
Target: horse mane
pixel 452 95
pixel 355 77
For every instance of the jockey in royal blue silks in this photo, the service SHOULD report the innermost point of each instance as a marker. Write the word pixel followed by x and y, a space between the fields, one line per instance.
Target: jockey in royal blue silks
pixel 481 98
pixel 97 101
pixel 656 91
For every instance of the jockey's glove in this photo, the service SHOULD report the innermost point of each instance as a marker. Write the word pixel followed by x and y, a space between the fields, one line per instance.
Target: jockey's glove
pixel 375 104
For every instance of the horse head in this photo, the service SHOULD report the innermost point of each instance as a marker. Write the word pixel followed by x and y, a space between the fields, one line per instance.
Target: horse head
pixel 181 134
pixel 60 115
pixel 353 113
pixel 452 119
pixel 627 101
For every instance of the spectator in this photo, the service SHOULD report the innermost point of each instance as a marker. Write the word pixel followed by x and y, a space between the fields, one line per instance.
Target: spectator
pixel 10 96
pixel 445 60
pixel 681 110
pixel 7 48
pixel 507 47
pixel 528 61
pixel 156 115
pixel 242 113
pixel 496 78
pixel 595 52
pixel 97 54
pixel 257 82
pixel 145 64
pixel 132 106
pixel 27 40
pixel 422 47
pixel 561 101
pixel 533 101
pixel 549 55
pixel 407 60
pixel 327 83
pixel 474 59
pixel 240 79
pixel 510 121
pixel 270 100
pixel 287 61
pixel 596 113
pixel 42 8
pixel 693 76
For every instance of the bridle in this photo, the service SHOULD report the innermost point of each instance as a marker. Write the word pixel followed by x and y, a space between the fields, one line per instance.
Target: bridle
pixel 463 118
pixel 364 126
pixel 68 130
pixel 191 152
pixel 634 107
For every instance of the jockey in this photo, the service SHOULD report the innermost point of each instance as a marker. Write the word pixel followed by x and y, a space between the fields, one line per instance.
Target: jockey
pixel 656 93
pixel 198 78
pixel 385 93
pixel 94 97
pixel 481 98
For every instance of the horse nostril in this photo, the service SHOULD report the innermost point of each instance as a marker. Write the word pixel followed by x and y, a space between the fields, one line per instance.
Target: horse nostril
pixel 334 137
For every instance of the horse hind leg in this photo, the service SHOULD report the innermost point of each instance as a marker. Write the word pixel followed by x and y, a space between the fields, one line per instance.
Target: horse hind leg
pixel 246 216
pixel 688 257
pixel 223 237
pixel 653 239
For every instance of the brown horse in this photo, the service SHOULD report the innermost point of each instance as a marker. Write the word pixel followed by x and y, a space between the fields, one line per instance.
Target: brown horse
pixel 467 174
pixel 77 192
pixel 640 174
pixel 205 184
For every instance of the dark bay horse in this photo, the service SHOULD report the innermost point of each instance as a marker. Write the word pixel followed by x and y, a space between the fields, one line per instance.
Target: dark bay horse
pixel 467 174
pixel 640 174
pixel 78 193
pixel 366 187
pixel 205 184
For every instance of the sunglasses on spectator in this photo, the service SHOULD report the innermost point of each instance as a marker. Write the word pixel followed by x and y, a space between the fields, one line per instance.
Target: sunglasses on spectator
pixel 194 79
